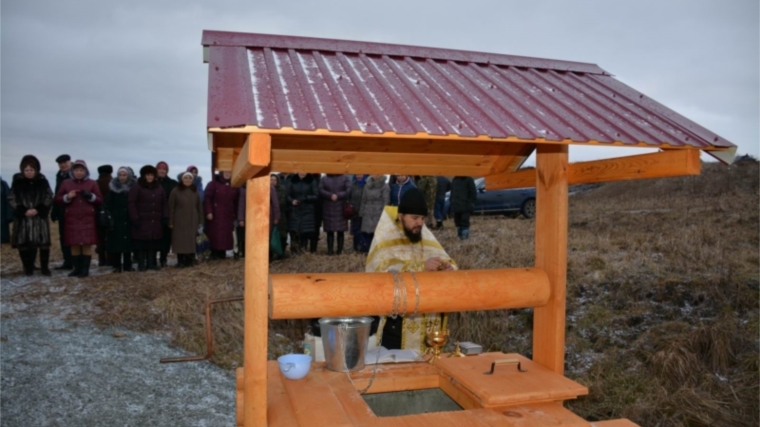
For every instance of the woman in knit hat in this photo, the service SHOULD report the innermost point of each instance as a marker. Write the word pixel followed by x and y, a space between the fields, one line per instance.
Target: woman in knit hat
pixel 148 212
pixel 185 216
pixel 81 197
pixel 31 199
pixel 119 239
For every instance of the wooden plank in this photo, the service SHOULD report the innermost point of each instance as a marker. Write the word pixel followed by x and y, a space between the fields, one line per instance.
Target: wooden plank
pixel 256 295
pixel 507 385
pixel 353 405
pixel 460 395
pixel 347 143
pixel 224 159
pixel 254 156
pixel 644 166
pixel 551 255
pixel 279 409
pixel 314 402
pixel 511 157
pixel 374 168
pixel 289 131
pixel 623 422
pixel 550 414
pixel 397 377
pixel 312 295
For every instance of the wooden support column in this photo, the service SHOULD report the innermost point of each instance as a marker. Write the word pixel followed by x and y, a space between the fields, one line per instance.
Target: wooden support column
pixel 551 254
pixel 256 307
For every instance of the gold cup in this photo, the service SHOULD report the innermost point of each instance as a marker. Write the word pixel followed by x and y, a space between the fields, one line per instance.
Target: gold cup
pixel 436 339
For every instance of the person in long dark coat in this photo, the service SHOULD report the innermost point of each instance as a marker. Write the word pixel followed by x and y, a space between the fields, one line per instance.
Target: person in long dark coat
pixel 375 197
pixel 6 213
pixel 148 213
pixel 104 181
pixel 302 198
pixel 168 184
pixel 56 215
pixel 81 196
pixel 185 216
pixel 318 215
pixel 220 206
pixel 281 186
pixel 443 187
pixel 119 239
pixel 334 190
pixel 31 199
pixel 463 198
pixel 357 188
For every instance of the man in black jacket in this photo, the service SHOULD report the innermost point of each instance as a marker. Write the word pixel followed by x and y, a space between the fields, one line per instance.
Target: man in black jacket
pixel 168 185
pixel 64 164
pixel 444 186
pixel 463 198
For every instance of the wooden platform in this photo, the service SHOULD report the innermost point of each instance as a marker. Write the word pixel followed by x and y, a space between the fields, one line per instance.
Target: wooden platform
pixel 327 398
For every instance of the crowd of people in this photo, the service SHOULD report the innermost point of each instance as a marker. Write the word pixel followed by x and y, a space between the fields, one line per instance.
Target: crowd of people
pixel 141 219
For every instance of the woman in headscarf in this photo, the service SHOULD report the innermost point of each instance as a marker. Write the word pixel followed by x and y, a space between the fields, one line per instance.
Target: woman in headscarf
pixel 197 181
pixel 81 196
pixel 31 199
pixel 185 216
pixel 119 239
pixel 220 206
pixel 148 212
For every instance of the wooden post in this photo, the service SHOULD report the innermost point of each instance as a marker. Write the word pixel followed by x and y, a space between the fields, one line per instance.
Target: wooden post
pixel 256 307
pixel 551 254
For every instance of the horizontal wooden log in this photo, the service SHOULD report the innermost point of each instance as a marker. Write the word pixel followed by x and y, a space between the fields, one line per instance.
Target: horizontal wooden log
pixel 254 156
pixel 300 296
pixel 644 166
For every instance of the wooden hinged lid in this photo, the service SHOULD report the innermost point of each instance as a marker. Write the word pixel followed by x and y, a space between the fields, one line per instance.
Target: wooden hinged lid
pixel 507 385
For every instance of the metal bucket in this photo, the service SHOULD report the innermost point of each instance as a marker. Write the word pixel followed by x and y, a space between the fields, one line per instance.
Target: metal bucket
pixel 345 341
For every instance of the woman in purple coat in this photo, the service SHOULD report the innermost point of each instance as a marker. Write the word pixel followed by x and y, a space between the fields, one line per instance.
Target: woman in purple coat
pixel 334 191
pixel 148 211
pixel 220 205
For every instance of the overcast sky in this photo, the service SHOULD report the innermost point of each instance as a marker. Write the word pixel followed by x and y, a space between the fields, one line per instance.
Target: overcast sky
pixel 123 83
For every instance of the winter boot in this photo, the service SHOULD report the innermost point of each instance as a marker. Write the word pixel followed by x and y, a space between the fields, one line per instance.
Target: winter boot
pixel 313 245
pixel 84 261
pixel 465 233
pixel 142 261
pixel 439 225
pixel 27 262
pixel 330 243
pixel 76 260
pixel 152 263
pixel 163 256
pixel 341 237
pixel 44 261
pixel 116 263
pixel 127 266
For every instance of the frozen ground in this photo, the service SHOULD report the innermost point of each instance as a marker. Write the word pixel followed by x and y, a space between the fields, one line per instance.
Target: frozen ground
pixel 55 372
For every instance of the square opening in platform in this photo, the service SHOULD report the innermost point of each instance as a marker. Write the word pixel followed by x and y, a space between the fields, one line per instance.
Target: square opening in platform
pixel 410 402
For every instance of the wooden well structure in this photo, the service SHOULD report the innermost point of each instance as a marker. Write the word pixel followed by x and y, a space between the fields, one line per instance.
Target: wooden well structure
pixel 292 104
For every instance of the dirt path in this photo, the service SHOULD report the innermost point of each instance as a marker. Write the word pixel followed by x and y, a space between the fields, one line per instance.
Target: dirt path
pixel 54 372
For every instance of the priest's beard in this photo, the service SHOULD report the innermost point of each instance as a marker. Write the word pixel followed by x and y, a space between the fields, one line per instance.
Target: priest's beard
pixel 414 237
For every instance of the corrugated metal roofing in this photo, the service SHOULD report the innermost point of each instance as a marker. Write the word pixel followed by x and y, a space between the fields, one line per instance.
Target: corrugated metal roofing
pixel 275 82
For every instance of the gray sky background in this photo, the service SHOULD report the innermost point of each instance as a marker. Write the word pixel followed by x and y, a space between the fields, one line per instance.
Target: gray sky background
pixel 123 82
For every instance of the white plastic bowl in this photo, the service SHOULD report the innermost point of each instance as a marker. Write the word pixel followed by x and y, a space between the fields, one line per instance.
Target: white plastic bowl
pixel 294 366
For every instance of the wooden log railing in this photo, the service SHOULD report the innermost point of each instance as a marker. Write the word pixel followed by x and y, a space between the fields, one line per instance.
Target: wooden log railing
pixel 300 296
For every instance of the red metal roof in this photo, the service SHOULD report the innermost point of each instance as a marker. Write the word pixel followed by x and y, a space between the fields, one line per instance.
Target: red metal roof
pixel 275 82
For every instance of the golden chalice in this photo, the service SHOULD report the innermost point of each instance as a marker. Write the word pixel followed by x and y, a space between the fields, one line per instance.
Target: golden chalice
pixel 436 339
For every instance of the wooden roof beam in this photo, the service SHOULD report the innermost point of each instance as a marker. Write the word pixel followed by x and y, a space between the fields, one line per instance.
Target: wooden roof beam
pixel 255 156
pixel 669 163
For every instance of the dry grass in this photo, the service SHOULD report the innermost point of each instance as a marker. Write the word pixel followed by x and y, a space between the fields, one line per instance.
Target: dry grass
pixel 662 315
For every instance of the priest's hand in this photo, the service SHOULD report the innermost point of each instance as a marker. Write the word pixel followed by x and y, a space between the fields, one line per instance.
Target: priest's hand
pixel 436 264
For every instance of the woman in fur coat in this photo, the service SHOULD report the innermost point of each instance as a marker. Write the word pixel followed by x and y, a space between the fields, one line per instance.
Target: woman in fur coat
pixel 119 240
pixel 81 196
pixel 185 216
pixel 32 199
pixel 148 212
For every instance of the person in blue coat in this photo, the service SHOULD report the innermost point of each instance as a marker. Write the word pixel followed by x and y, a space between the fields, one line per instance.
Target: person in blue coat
pixel 402 185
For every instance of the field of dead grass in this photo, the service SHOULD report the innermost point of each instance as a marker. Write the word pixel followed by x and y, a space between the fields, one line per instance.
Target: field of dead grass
pixel 662 314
